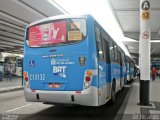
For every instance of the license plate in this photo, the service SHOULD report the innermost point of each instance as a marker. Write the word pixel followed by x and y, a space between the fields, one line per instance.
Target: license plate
pixel 54 85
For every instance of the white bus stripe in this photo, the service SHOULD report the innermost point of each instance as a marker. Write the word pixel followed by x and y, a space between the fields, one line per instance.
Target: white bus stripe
pixel 18 108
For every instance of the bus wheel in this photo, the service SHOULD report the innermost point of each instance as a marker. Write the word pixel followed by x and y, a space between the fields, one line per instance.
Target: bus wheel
pixel 113 94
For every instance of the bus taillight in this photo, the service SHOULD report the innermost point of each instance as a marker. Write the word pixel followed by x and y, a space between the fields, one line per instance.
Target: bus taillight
pixel 25 76
pixel 88 78
pixel 89 73
pixel 26 79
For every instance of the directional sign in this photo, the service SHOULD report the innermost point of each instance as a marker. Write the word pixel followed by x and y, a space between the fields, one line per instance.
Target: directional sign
pixel 145 5
pixel 145 34
pixel 32 63
pixel 145 15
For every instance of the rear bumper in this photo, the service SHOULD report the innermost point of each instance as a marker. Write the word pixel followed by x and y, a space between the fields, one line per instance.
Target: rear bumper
pixel 87 97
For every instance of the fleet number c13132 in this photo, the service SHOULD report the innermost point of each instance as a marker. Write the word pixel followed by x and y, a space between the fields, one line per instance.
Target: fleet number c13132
pixel 37 76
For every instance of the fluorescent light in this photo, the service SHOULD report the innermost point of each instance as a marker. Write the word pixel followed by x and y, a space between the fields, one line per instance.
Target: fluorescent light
pixel 126 39
pixel 156 41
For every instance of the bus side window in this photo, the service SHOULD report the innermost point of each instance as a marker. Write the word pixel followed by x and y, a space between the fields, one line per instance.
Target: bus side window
pixel 119 58
pixel 106 50
pixel 115 53
pixel 123 60
pixel 99 44
pixel 111 49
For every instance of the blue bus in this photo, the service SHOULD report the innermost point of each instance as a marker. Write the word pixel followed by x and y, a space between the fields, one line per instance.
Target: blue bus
pixel 130 69
pixel 71 60
pixel 19 63
pixel 14 63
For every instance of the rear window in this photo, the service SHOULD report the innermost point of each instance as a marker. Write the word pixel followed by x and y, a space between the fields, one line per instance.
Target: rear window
pixel 56 33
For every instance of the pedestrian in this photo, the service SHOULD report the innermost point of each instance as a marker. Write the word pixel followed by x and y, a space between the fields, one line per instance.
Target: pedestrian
pixel 159 73
pixel 10 75
pixel 138 73
pixel 154 73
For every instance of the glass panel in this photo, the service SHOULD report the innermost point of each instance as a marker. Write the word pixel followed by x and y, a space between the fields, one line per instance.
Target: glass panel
pixel 99 44
pixel 112 51
pixel 47 33
pixel 56 32
pixel 77 29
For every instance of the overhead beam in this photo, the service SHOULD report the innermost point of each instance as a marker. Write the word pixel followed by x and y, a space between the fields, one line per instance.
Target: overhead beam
pixel 14 51
pixel 11 25
pixel 6 46
pixel 2 13
pixel 10 43
pixel 30 7
pixel 2 38
pixel 11 30
pixel 11 35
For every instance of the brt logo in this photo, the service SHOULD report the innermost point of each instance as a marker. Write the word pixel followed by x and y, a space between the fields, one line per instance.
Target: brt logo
pixel 59 71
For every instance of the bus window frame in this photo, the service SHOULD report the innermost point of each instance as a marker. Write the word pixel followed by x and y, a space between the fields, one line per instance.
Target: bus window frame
pixel 100 57
pixel 59 44
pixel 111 50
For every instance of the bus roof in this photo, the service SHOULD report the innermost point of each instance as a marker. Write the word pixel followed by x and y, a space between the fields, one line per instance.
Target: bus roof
pixel 57 18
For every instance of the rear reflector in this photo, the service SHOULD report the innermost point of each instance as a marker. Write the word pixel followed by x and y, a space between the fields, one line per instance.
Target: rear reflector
pixel 86 84
pixel 78 92
pixel 54 85
pixel 33 90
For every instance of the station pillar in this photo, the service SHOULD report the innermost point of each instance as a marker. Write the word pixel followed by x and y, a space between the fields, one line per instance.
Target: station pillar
pixel 144 51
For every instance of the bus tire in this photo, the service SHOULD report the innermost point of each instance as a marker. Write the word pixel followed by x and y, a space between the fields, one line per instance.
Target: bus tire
pixel 113 94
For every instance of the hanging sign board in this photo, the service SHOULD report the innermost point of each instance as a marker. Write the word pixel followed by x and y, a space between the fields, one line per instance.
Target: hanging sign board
pixel 145 5
pixel 145 15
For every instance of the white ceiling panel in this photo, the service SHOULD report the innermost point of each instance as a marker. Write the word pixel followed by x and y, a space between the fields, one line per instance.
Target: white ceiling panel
pixel 130 5
pixel 129 20
pixel 124 4
pixel 8 39
pixel 15 15
pixel 11 35
pixel 11 30
pixel 11 25
pixel 12 20
pixel 10 43
pixel 19 10
pixel 6 46
pixel 155 20
pixel 127 15
pixel 43 7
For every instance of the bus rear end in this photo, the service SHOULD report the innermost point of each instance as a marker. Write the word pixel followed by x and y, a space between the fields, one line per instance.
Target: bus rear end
pixel 57 66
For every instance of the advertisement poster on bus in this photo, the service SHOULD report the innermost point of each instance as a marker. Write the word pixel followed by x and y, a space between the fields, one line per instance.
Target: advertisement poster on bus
pixel 51 33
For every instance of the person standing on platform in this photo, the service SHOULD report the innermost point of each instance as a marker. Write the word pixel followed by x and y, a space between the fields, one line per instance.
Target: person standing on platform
pixel 10 74
pixel 154 73
pixel 138 73
pixel 159 73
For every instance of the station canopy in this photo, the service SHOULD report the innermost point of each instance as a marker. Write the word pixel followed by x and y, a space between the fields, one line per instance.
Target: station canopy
pixel 16 14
